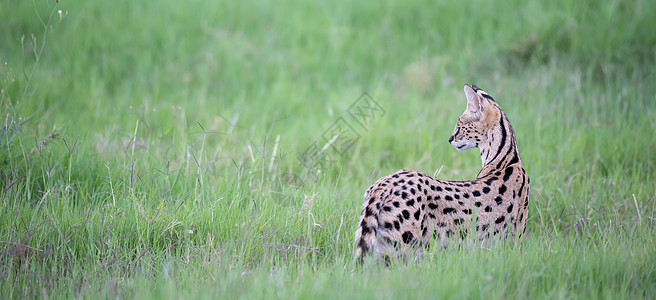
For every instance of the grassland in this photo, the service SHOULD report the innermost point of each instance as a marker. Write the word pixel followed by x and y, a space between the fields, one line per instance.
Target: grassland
pixel 149 149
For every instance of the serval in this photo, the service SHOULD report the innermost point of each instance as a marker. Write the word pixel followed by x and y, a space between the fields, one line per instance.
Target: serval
pixel 408 209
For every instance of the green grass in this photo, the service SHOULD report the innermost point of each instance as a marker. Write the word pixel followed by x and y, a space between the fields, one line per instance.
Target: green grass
pixel 153 152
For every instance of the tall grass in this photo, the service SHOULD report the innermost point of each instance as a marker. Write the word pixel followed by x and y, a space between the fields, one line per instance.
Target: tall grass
pixel 156 150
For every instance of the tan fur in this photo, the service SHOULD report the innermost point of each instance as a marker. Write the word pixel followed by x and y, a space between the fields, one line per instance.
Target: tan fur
pixel 491 116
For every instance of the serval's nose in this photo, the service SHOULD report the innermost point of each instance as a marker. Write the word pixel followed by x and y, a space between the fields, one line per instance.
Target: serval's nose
pixel 450 139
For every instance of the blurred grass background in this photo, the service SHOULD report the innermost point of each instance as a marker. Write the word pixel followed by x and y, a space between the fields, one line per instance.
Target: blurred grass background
pixel 154 153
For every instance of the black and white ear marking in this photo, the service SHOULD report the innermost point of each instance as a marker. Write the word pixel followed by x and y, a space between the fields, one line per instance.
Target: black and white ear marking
pixel 481 92
pixel 475 102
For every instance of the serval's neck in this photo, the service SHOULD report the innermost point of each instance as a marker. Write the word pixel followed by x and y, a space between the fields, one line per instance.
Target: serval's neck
pixel 501 149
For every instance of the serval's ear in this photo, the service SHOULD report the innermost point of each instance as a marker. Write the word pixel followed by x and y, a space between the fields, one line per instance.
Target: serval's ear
pixel 475 102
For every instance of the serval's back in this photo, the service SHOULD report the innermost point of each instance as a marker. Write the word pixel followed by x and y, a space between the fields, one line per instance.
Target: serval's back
pixel 407 209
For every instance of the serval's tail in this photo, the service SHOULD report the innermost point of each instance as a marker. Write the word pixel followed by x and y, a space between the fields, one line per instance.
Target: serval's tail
pixel 367 230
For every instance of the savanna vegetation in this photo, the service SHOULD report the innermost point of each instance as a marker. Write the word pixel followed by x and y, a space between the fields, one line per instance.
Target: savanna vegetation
pixel 182 149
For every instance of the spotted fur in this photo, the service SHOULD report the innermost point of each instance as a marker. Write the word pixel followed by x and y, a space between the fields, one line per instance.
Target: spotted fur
pixel 406 210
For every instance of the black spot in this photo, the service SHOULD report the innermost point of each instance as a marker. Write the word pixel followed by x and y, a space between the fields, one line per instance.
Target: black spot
pixel 407 237
pixel 404 195
pixel 502 189
pixel 476 193
pixel 466 184
pixel 423 231
pixel 412 190
pixel 387 208
pixel 510 208
pixel 508 173
pixel 498 200
pixel 395 176
pixel 448 189
pixel 363 245
pixel 499 219
pixel 489 181
pixel 371 200
pixel 467 211
pixel 396 193
pixel 410 182
pixel 477 204
pixel 406 214
pixel 388 225
pixel 411 175
pixel 396 204
pixel 395 183
pixel 521 187
pixel 448 198
pixel 400 217
pixel 465 195
pixel 438 188
pixel 456 196
pixel 417 213
pixel 402 181
pixel 410 202
pixel 431 215
pixel 397 226
pixel 368 212
pixel 365 229
pixel 458 221
pixel 488 209
pixel 484 227
pixel 429 197
pixel 497 173
pixel 432 187
pixel 503 138
pixel 464 233
pixel 432 205
pixel 449 233
pixel 521 217
pixel 448 210
pixel 486 190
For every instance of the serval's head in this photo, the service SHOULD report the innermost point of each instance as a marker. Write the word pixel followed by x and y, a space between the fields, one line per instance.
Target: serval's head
pixel 480 118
